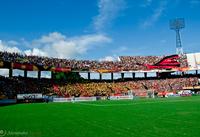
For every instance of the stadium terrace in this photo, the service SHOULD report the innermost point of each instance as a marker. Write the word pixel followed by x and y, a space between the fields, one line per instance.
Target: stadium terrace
pixel 66 81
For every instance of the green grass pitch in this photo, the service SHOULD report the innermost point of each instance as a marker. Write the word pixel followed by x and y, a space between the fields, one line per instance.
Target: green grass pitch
pixel 169 117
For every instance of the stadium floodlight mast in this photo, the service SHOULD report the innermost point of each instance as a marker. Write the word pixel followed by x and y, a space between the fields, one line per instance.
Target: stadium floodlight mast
pixel 177 24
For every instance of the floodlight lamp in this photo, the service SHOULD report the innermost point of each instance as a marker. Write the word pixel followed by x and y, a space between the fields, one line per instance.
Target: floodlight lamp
pixel 177 24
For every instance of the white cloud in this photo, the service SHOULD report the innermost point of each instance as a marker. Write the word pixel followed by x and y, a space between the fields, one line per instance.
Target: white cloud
pixel 61 46
pixel 51 37
pixel 58 45
pixel 7 46
pixel 108 11
pixel 36 52
pixel 109 58
pixel 158 12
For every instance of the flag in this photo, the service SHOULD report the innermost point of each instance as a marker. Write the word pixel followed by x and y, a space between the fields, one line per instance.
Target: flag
pixel 29 67
pixel 60 69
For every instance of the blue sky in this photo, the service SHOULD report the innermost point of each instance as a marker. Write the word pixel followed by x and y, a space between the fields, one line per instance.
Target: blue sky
pixel 97 29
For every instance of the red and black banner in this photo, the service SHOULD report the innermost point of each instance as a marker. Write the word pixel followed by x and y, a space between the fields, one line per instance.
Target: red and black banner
pixel 28 67
pixel 31 67
pixel 168 62
pixel 54 69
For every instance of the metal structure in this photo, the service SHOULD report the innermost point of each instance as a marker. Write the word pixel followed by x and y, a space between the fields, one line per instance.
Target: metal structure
pixel 177 24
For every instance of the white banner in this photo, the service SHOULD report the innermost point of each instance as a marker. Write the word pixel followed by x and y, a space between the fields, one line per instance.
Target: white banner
pixel 29 96
pixel 121 97
pixel 76 99
pixel 62 99
pixel 85 99
pixel 193 60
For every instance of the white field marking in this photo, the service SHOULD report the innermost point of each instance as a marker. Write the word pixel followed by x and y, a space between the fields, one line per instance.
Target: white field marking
pixel 136 103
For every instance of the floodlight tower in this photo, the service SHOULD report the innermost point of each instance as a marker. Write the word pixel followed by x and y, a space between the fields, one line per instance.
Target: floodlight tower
pixel 177 24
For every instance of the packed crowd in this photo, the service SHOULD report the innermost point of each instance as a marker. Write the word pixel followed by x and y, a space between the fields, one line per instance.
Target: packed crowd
pixel 183 61
pixel 15 85
pixel 10 87
pixel 124 64
pixel 137 61
pixel 103 88
pixel 46 61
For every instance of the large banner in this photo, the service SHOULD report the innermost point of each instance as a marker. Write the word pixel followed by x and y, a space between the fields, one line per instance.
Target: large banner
pixel 167 63
pixel 193 60
pixel 54 69
pixel 29 96
pixel 32 67
pixel 28 67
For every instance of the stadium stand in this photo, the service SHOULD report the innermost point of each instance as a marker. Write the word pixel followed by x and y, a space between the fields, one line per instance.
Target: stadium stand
pixel 11 86
pixel 18 85
pixel 125 63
